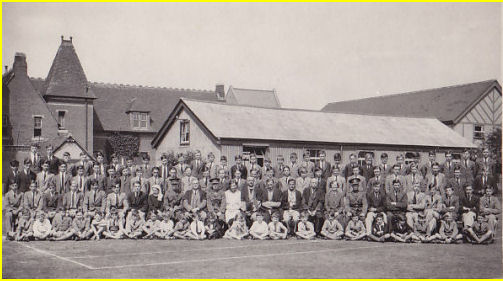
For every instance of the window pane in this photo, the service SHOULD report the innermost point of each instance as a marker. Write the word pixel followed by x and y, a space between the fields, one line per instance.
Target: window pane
pixel 136 123
pixel 143 124
pixel 184 132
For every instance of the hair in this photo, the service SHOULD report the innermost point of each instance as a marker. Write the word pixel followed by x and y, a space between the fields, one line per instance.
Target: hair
pixel 238 157
pixel 14 163
pixel 291 179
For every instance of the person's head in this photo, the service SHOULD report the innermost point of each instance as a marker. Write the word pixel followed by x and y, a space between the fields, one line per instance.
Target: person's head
pixel 96 168
pixel 384 158
pixel 259 217
pixel 83 156
pixel 331 216
pixel 33 185
pixel 448 156
pixel 51 187
pixel 223 160
pixel 396 184
pixel 194 184
pixel 353 158
pixel 135 214
pixel 336 172
pixel 187 172
pixel 66 156
pixel 275 217
pixel 62 167
pixel 34 148
pixel 369 159
pixel 129 162
pixel 448 217
pixel 318 172
pixel 206 172
pixel 238 159
pixel 250 181
pixel 164 159
pixel 356 170
pixel 99 157
pixel 136 186
pixel 377 171
pixel 480 218
pixel 485 172
pixel 435 168
pixel 413 168
pixel 269 184
pixel 125 172
pixel 486 152
pixel 337 158
pixel 457 172
pixel 466 154
pixel 432 156
pixel 49 149
pixel 291 184
pixel 306 157
pixel 13 186
pixel 237 174
pixel 379 219
pixel 323 155
pixel 254 173
pixel 267 162
pixel 111 172
pixel 155 172
pixel 45 165
pixel 74 185
pixel 416 186
pixel 41 216
pixel 313 183
pixel 355 184
pixel 155 190
pixel 253 158
pixel 221 173
pixel 293 157
pixel 449 191
pixel 215 183
pixel 489 191
pixel 354 217
pixel 280 159
pixel 211 157
pixel 303 172
pixel 14 165
pixel 303 217
pixel 172 172
pixel 94 184
pixel 27 163
pixel 25 213
pixel 269 173
pixel 286 171
pixel 396 169
pixel 145 159
pixel 116 187
pixel 197 155
pixel 376 187
pixel 468 190
pixel 400 159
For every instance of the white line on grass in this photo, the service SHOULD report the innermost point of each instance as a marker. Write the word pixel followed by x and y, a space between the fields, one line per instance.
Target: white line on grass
pixel 190 250
pixel 56 256
pixel 242 257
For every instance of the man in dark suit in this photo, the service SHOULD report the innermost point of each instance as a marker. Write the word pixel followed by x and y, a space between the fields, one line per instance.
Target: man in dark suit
pixel 451 202
pixel 239 166
pixel 457 182
pixel 376 202
pixel 313 200
pixel 84 162
pixel 448 167
pixel 53 160
pixel 197 165
pixel 145 166
pixel 137 200
pixel 467 166
pixel 62 179
pixel 378 178
pixel 194 199
pixel 51 201
pixel 469 207
pixel 12 176
pixel 368 167
pixel 482 181
pixel 100 161
pixel 36 159
pixel 486 162
pixel 324 165
pixel 348 169
pixel 271 200
pixel 396 203
pixel 291 204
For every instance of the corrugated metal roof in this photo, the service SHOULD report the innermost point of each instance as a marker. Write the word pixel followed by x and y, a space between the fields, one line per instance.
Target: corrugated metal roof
pixel 253 97
pixel 244 122
pixel 446 104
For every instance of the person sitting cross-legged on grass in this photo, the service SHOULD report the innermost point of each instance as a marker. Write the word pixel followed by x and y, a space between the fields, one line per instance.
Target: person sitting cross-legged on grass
pixel 150 226
pixel 259 229
pixel 238 229
pixel 98 225
pixel 422 230
pixel 196 230
pixel 276 229
pixel 332 229
pixel 63 229
pixel 114 228
pixel 355 230
pixel 166 227
pixel 379 230
pixel 42 227
pixel 215 227
pixel 305 228
pixel 401 232
pixel 448 232
pixel 181 227
pixel 81 226
pixel 24 229
pixel 134 225
pixel 479 232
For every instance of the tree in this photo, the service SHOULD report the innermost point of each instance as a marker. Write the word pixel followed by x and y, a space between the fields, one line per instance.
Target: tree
pixel 124 145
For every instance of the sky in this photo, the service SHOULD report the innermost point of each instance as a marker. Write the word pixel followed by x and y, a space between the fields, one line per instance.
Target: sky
pixel 312 54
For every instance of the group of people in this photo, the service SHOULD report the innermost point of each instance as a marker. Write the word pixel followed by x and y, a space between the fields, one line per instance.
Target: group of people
pixel 51 198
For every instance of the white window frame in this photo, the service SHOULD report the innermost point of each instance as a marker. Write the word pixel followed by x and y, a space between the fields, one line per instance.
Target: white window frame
pixel 61 124
pixel 478 135
pixel 184 132
pixel 35 127
pixel 141 119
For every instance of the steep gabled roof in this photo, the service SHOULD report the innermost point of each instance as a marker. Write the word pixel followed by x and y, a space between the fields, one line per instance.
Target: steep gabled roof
pixel 66 77
pixel 234 122
pixel 447 104
pixel 59 141
pixel 254 97
pixel 115 101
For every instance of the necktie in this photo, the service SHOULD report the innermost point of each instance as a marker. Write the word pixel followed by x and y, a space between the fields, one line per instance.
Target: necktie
pixel 466 163
pixel 194 199
pixel 93 196
pixel 33 200
pixel 435 181
pixel 415 198
pixel 458 180
pixel 413 178
pixel 44 175
pixel 376 196
pixel 449 201
pixel 116 200
pixel 72 200
pixel 62 182
pixel 80 184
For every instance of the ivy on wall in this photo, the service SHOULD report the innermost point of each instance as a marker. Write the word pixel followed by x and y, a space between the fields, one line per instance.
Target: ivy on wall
pixel 124 144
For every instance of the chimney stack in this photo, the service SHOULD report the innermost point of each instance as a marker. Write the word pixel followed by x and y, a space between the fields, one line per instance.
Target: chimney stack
pixel 6 68
pixel 20 66
pixel 220 91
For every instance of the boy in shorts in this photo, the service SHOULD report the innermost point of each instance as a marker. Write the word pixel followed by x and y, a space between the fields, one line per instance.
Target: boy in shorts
pixel 276 229
pixel 259 229
pixel 114 228
pixel 355 230
pixel 332 229
pixel 305 228
pixel 379 230
pixel 81 226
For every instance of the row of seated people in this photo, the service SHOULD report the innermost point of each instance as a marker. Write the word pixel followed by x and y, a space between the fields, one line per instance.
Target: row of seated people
pixel 416 205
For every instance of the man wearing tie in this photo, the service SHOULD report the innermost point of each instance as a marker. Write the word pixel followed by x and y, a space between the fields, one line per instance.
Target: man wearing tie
pixel 278 169
pixel 164 167
pixel 368 167
pixel 35 158
pixel 26 176
pixel 283 181
pixel 155 179
pixel 396 202
pixel 100 159
pixel 73 199
pixel 490 207
pixel 96 176
pixel 53 160
pixel 32 199
pixel 436 179
pixel 62 180
pixel 291 205
pixel 457 182
pixel 376 201
pixel 324 165
pixel 378 178
pixel 336 176
pixel 212 167
pixel 12 176
pixel 117 200
pixel 44 177
pixel 313 200
pixel 482 181
pixel 451 202
pixel 427 168
pixel 197 164
pixel 469 204
pixel 145 166
pixel 415 204
pixel 194 199
pixel 385 166
pixel 467 167
pixel 81 179
pixel 485 163
pixel 254 166
pixel 414 177
pixel 240 167
pixel 95 199
pixel 295 165
pixel 448 167
pixel 137 200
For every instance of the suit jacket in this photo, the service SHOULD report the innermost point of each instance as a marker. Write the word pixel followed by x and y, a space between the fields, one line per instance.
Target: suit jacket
pixel 441 182
pixel 400 198
pixel 453 201
pixel 251 199
pixel 479 186
pixel 53 164
pixel 118 202
pixel 425 169
pixel 197 169
pixel 448 170
pixel 213 168
pixel 82 183
pixel 309 166
pixel 187 200
pixel 378 202
pixel 78 201
pixel 385 169
pixel 481 164
pixel 12 178
pixel 418 178
pixel 33 202
pixel 297 205
pixel 154 204
pixel 96 203
pixel 348 169
pixel 326 170
pixel 137 202
pixel 263 196
pixel 25 180
pixel 313 200
pixel 473 203
pixel 51 201
pixel 416 202
pixel 368 172
pixel 242 169
pixel 294 169
pixel 61 187
pixel 36 162
pixel 468 169
pixel 382 182
pixel 43 183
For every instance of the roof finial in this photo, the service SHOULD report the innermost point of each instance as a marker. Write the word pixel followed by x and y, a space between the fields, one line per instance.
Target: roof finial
pixel 62 38
pixel 71 38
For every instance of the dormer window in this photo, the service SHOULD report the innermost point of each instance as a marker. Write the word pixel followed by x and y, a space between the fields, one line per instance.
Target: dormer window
pixel 140 120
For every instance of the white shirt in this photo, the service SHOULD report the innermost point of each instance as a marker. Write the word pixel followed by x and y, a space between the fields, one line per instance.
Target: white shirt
pixel 232 200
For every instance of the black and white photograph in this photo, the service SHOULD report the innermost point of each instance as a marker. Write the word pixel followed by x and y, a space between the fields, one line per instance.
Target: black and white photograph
pixel 251 140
